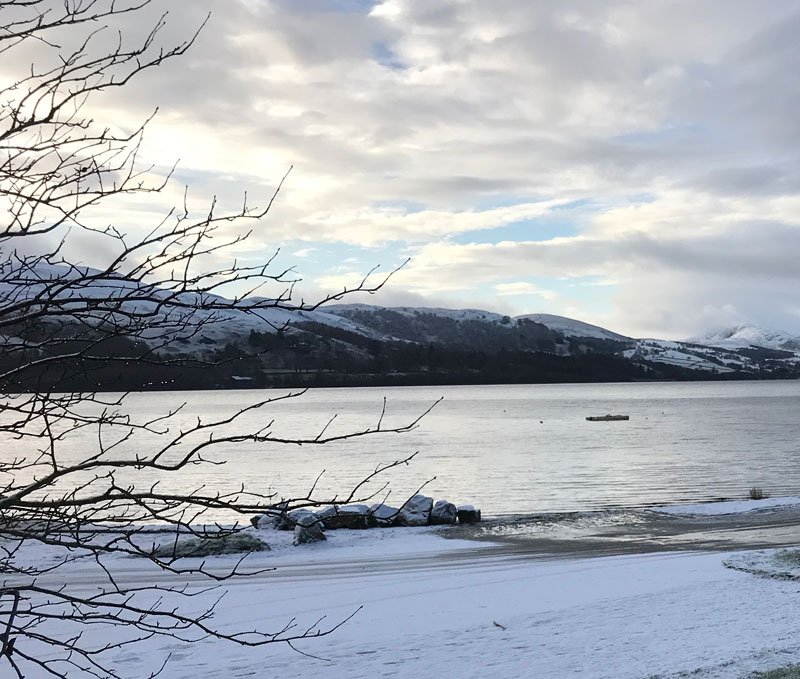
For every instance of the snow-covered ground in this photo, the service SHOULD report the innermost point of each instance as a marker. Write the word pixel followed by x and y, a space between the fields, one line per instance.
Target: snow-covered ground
pixel 446 608
pixel 727 507
pixel 693 357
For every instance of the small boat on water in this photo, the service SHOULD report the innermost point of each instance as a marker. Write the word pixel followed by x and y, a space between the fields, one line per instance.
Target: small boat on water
pixel 608 418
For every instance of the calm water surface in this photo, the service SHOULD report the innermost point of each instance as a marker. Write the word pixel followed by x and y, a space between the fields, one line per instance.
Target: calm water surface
pixel 514 449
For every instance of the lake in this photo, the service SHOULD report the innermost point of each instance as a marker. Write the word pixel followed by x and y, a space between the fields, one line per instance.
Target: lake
pixel 509 449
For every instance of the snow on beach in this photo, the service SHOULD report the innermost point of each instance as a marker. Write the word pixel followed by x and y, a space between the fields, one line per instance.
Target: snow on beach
pixel 727 506
pixel 450 608
pixel 781 564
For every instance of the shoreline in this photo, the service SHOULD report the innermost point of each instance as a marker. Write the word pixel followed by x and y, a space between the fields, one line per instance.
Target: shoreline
pixel 617 532
pixel 508 597
pixel 572 534
pixel 306 385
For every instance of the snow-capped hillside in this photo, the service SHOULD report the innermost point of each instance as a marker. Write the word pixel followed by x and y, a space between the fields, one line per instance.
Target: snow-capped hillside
pixel 233 325
pixel 750 359
pixel 454 314
pixel 743 336
pixel 569 327
pixel 572 328
pixel 155 315
pixel 200 324
pixel 178 316
pixel 684 355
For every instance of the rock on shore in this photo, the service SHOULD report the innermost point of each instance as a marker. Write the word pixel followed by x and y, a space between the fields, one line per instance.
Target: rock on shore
pixel 416 511
pixel 419 510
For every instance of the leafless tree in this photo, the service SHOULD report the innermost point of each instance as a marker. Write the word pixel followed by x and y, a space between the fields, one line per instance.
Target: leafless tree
pixel 58 321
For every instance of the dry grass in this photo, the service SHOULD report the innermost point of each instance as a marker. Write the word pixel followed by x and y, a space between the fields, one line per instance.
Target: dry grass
pixel 232 544
pixel 788 672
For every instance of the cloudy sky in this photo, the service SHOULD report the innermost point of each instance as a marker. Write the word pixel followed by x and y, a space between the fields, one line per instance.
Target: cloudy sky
pixel 632 164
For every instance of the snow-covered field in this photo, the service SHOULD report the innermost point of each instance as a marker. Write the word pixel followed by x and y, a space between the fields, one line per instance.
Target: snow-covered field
pixel 691 356
pixel 447 608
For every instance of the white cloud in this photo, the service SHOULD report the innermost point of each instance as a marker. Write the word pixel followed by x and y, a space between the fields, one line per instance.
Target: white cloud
pixel 370 226
pixel 523 288
pixel 426 124
pixel 390 9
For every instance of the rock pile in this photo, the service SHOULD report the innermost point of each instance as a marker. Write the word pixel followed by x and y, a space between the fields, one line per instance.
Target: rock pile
pixel 419 510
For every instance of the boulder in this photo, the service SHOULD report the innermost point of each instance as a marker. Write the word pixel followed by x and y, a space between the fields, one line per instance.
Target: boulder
pixel 346 516
pixel 327 512
pixel 261 520
pixel 308 529
pixel 416 511
pixel 444 513
pixel 468 514
pixel 278 515
pixel 353 509
pixel 271 518
pixel 290 520
pixel 383 515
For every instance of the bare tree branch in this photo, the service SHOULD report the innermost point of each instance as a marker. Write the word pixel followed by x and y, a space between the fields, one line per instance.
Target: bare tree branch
pixel 63 326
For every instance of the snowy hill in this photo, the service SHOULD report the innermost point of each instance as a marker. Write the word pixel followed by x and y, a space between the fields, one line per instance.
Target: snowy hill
pixel 453 314
pixel 569 327
pixel 155 315
pixel 463 329
pixel 743 336
pixel 689 356
pixel 469 344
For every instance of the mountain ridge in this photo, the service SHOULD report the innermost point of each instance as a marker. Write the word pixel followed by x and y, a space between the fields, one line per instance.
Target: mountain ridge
pixel 738 336
pixel 748 334
pixel 741 335
pixel 344 344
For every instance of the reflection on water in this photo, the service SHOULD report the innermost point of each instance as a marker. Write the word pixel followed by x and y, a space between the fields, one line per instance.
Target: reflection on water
pixel 511 449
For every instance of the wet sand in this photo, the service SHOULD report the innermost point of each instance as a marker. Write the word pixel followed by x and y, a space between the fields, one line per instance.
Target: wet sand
pixel 641 531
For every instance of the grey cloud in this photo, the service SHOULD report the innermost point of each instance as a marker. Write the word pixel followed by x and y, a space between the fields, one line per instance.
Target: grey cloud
pixel 679 306
pixel 602 101
pixel 667 289
pixel 763 252
pixel 526 81
pixel 760 180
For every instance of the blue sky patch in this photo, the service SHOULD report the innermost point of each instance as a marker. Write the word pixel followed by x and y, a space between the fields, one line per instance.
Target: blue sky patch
pixel 535 229
pixel 385 56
